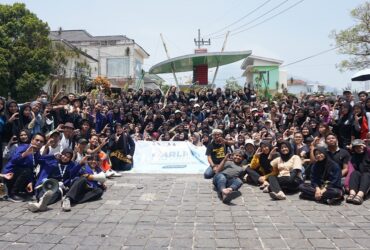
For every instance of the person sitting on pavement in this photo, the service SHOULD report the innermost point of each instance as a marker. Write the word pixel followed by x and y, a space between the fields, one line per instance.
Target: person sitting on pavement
pixel 122 148
pixel 18 172
pixel 337 154
pixel 260 168
pixel 61 168
pixel 325 186
pixel 286 172
pixel 359 181
pixel 227 179
pixel 216 152
pixel 88 187
pixel 95 148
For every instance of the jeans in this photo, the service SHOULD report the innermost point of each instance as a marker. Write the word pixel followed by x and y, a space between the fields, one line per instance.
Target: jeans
pixel 221 182
pixel 209 173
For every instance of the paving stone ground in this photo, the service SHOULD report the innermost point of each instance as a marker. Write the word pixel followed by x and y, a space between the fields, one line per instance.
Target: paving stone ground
pixel 142 211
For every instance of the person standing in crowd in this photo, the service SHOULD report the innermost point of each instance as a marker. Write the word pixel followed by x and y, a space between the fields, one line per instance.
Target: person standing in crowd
pixel 53 144
pixel 2 125
pixel 12 125
pixel 67 135
pixel 216 152
pixel 15 142
pixel 343 126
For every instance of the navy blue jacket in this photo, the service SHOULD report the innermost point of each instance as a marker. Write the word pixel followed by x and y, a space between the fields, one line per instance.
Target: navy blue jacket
pixel 49 169
pixel 17 162
pixel 331 179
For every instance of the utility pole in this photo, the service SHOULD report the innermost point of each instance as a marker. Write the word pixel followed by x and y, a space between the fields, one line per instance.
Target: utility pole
pixel 201 42
pixel 222 50
pixel 168 56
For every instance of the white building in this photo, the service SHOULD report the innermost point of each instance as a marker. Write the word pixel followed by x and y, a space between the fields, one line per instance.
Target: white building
pixel 119 58
pixel 298 86
pixel 69 69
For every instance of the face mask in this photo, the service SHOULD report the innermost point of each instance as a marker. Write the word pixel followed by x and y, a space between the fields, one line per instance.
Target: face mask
pixel 44 100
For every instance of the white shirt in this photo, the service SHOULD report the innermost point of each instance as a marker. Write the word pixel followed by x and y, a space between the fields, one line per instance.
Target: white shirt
pixel 65 143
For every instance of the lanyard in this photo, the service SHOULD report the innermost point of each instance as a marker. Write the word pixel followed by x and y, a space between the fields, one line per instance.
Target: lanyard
pixel 60 170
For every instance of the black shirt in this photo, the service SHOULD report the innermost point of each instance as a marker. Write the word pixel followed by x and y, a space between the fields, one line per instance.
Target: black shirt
pixel 216 151
pixel 340 156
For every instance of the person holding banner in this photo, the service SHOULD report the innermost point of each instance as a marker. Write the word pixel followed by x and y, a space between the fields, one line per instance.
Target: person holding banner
pixel 227 178
pixel 216 152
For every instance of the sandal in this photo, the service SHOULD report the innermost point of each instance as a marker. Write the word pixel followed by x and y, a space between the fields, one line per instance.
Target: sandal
pixel 350 198
pixel 358 200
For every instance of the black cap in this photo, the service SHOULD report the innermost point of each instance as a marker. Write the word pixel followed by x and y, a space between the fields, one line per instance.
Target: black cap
pixel 67 151
pixel 363 92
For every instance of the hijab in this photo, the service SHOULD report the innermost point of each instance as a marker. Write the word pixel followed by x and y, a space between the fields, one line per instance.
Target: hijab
pixel 285 157
pixel 325 165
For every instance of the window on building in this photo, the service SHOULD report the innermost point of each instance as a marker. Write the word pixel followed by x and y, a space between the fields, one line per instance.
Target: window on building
pixel 138 67
pixel 118 67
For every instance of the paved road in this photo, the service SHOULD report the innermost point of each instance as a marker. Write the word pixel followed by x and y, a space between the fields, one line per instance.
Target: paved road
pixel 183 212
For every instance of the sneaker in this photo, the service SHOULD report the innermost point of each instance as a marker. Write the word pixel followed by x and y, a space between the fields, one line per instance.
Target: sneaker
pixel 109 173
pixel 42 205
pixel 266 189
pixel 66 204
pixel 15 198
pixel 277 196
pixel 230 196
pixel 44 201
pixel 115 174
pixel 33 207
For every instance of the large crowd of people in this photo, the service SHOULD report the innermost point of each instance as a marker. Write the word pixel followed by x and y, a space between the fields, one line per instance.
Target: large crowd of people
pixel 65 147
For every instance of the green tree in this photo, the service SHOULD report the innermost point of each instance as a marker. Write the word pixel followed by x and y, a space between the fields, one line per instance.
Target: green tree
pixel 233 84
pixel 25 52
pixel 355 41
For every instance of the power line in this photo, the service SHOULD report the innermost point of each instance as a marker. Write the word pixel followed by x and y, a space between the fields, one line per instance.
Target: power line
pixel 268 19
pixel 312 56
pixel 225 13
pixel 255 19
pixel 251 12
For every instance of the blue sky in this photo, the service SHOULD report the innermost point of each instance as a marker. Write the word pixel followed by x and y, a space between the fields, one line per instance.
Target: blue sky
pixel 299 32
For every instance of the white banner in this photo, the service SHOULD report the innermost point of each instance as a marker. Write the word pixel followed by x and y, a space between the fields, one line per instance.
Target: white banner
pixel 169 157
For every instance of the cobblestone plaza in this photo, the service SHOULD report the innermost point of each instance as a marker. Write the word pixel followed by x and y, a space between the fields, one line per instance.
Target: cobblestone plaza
pixel 141 211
